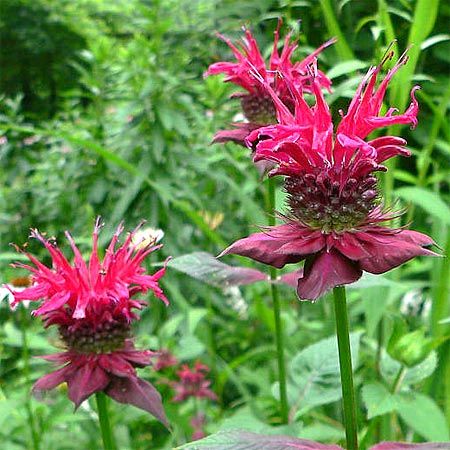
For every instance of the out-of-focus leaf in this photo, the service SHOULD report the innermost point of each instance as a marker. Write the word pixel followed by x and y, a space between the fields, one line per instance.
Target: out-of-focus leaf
pixel 314 373
pixel 244 440
pixel 205 267
pixel 423 415
pixel 377 399
pixel 427 200
pixel 433 40
pixel 346 67
pixel 390 369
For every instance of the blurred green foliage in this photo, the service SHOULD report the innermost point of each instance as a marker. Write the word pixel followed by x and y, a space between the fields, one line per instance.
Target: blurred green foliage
pixel 104 111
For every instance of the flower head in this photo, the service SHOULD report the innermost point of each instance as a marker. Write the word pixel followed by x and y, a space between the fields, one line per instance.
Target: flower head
pixel 91 304
pixel 193 383
pixel 257 104
pixel 334 216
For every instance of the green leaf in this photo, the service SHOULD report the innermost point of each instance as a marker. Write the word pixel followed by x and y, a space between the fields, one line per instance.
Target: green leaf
pixel 344 68
pixel 390 369
pixel 427 200
pixel 244 440
pixel 422 414
pixel 377 399
pixel 208 269
pixel 314 373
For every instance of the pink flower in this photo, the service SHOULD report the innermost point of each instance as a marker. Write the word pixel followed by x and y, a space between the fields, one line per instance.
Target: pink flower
pixel 193 383
pixel 164 359
pixel 257 103
pixel 335 212
pixel 86 290
pixel 92 306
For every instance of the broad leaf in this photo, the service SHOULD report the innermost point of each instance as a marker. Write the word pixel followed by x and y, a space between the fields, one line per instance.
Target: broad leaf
pixel 205 267
pixel 422 414
pixel 377 399
pixel 244 440
pixel 314 373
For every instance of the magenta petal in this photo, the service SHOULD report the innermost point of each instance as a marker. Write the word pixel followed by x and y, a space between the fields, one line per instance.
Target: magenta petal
pixel 388 251
pixel 89 378
pixel 279 245
pixel 139 393
pixel 291 278
pixel 406 446
pixel 326 271
pixel 51 380
pixel 236 135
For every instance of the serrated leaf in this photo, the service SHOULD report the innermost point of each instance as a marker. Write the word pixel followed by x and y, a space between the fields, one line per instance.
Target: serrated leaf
pixel 314 373
pixel 377 399
pixel 422 414
pixel 245 440
pixel 205 267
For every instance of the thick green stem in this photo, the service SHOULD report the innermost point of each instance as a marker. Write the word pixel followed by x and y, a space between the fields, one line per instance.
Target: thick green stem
pixel 277 316
pixel 345 363
pixel 103 418
pixel 26 368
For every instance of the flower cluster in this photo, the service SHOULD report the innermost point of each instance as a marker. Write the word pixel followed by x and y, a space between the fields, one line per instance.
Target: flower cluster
pixel 193 383
pixel 334 206
pixel 257 104
pixel 93 307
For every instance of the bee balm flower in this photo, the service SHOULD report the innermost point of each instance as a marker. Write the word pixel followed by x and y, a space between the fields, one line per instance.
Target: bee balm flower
pixel 257 104
pixel 335 211
pixel 92 306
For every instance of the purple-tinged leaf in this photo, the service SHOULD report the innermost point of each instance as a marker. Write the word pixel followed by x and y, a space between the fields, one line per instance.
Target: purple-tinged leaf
pixel 205 267
pixel 139 393
pixel 405 446
pixel 245 440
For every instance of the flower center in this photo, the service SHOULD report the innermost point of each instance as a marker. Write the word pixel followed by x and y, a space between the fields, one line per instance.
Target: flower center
pixel 259 108
pixel 102 338
pixel 327 205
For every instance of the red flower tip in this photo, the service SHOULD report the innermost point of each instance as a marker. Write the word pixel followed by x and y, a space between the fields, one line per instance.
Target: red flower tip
pixel 80 288
pixel 251 72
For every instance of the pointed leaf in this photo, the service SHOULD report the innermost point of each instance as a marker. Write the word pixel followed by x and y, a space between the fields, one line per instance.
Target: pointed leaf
pixel 205 267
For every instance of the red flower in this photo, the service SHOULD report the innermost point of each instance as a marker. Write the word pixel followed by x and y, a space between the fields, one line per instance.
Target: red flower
pixel 257 104
pixel 335 212
pixel 92 306
pixel 193 383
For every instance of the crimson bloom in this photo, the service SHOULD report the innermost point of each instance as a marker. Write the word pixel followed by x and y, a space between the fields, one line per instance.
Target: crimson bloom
pixel 193 383
pixel 91 304
pixel 256 102
pixel 335 211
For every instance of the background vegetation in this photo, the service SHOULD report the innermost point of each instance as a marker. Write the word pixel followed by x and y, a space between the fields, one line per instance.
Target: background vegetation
pixel 104 111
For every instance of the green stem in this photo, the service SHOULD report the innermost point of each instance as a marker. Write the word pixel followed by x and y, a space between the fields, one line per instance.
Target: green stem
pixel 396 385
pixel 103 418
pixel 26 368
pixel 345 363
pixel 277 316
